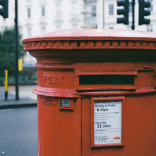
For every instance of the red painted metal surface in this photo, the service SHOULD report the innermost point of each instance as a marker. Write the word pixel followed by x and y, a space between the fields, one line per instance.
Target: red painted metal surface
pixel 82 66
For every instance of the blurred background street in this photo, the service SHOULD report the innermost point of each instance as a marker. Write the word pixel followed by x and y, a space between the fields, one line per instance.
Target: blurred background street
pixel 26 96
pixel 24 92
pixel 18 122
pixel 18 132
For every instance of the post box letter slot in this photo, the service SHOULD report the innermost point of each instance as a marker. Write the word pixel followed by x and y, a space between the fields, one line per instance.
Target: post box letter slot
pixel 107 81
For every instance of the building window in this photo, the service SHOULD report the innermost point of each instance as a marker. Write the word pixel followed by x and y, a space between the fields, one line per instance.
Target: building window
pixel 130 7
pixel 110 28
pixel 150 28
pixel 29 32
pixel 58 9
pixel 111 9
pixel 151 1
pixel 43 29
pixel 74 7
pixel 29 12
pixel 74 25
pixel 42 11
pixel 58 27
pixel 93 10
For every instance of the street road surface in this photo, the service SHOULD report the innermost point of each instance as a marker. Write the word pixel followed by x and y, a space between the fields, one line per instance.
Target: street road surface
pixel 24 91
pixel 18 132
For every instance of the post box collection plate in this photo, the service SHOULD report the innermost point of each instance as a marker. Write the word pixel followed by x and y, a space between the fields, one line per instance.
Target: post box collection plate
pixel 107 119
pixel 107 122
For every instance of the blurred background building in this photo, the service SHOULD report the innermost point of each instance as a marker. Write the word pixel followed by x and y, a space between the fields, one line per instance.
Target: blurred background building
pixel 42 16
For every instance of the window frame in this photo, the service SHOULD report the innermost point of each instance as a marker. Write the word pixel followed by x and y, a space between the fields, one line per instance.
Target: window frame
pixel 29 31
pixel 28 12
pixel 58 9
pixel 110 9
pixel 43 10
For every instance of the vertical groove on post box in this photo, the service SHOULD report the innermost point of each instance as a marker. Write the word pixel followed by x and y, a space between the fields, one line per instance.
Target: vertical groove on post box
pixel 78 44
pixel 103 44
pixel 126 44
pixel 41 45
pixel 147 45
pixel 70 44
pixel 38 45
pixel 118 44
pixel 47 45
pixel 86 44
pixel 62 45
pixel 94 44
pixel 35 45
pixel 32 45
pixel 28 46
pixel 154 45
pixel 53 44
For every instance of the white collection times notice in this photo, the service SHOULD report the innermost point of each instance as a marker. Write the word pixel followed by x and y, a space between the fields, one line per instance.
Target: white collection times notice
pixel 107 122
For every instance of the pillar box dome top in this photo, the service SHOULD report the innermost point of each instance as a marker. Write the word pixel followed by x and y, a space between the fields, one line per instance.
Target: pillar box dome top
pixel 92 39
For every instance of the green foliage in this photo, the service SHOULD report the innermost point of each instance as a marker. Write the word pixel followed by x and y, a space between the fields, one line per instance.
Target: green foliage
pixel 7 51
pixel 28 75
pixel 1 80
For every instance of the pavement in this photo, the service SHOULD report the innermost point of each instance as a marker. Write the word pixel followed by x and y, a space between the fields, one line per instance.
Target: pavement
pixel 26 97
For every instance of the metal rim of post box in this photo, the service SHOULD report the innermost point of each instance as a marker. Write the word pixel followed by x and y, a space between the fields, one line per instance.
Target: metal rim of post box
pixel 91 39
pixel 86 39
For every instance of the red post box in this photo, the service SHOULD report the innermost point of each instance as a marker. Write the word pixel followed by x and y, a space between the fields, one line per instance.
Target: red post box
pixel 96 92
